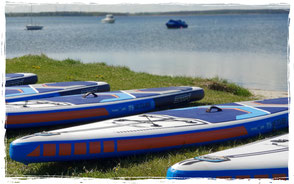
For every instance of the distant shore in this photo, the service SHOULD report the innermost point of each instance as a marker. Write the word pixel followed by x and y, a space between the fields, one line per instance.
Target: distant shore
pixel 171 13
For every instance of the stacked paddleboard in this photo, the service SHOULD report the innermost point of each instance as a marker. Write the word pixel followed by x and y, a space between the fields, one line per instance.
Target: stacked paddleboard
pixel 46 90
pixel 152 132
pixel 95 106
pixel 14 79
pixel 263 159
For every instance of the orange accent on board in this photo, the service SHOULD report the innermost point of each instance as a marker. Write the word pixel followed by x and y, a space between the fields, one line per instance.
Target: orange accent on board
pixel 243 177
pixel 176 140
pixel 64 149
pixel 241 110
pixel 55 116
pixel 20 90
pixel 258 103
pixel 80 149
pixel 94 147
pixel 261 176
pixel 237 109
pixel 279 176
pixel 115 96
pixel 224 177
pixel 35 153
pixel 49 149
pixel 108 146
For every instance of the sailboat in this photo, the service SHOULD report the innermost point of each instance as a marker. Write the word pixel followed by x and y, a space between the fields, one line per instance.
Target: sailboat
pixel 32 26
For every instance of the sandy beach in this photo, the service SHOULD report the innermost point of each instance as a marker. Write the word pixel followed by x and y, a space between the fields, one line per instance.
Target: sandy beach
pixel 265 94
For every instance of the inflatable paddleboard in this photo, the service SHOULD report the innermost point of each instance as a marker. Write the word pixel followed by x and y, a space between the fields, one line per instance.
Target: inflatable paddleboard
pixel 46 90
pixel 14 79
pixel 263 159
pixel 153 132
pixel 95 106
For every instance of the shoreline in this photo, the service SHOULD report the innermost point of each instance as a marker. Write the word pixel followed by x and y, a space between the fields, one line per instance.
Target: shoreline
pixel 267 94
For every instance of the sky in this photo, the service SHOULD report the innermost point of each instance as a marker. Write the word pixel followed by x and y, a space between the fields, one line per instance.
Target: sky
pixel 131 6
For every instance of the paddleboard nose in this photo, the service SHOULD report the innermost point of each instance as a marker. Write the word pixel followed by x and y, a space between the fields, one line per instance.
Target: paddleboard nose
pixel 18 152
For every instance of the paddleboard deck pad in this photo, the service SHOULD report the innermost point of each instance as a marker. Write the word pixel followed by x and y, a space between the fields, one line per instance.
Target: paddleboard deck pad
pixel 95 106
pixel 153 132
pixel 46 90
pixel 262 159
pixel 14 79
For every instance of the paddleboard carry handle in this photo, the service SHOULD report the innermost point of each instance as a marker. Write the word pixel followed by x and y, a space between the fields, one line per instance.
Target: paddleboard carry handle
pixel 90 93
pixel 213 107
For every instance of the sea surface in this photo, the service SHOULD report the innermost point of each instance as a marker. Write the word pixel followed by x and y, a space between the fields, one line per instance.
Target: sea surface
pixel 250 50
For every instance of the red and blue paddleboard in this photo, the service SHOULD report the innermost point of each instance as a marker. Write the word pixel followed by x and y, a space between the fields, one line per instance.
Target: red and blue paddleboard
pixel 153 132
pixel 95 106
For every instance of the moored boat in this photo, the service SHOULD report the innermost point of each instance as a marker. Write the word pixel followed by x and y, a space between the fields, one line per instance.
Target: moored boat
pixel 176 24
pixel 108 19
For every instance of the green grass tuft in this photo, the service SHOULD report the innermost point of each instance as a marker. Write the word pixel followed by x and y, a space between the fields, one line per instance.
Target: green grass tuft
pixel 223 85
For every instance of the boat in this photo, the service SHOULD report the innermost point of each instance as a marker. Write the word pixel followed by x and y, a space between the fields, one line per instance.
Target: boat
pixel 174 24
pixel 46 90
pixel 153 131
pixel 108 19
pixel 91 106
pixel 14 79
pixel 32 26
pixel 262 159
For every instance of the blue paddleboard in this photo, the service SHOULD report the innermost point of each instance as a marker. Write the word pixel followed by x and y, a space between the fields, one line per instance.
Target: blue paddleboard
pixel 262 159
pixel 153 132
pixel 46 90
pixel 14 79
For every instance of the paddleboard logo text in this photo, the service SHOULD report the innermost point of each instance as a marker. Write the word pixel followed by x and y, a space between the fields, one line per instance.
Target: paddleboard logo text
pixel 182 98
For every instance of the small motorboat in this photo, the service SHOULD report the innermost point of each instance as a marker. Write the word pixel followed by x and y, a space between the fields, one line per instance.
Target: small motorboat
pixel 34 27
pixel 108 19
pixel 176 24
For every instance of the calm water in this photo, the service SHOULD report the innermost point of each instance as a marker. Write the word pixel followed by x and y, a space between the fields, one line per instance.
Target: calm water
pixel 250 50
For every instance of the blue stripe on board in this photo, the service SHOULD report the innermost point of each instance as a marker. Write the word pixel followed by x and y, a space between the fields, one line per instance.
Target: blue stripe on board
pixel 121 96
pixel 13 91
pixel 284 100
pixel 44 90
pixel 13 75
pixel 72 83
pixel 172 173
pixel 274 109
pixel 166 89
pixel 254 112
pixel 142 95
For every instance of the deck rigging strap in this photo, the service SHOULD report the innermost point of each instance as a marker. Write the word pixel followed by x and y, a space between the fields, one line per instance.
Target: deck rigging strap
pixel 90 93
pixel 213 107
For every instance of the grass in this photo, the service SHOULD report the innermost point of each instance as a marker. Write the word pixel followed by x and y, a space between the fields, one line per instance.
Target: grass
pixel 149 165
